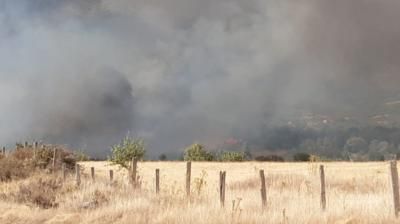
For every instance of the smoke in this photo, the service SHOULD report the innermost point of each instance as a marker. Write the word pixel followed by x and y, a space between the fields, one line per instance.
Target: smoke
pixel 86 73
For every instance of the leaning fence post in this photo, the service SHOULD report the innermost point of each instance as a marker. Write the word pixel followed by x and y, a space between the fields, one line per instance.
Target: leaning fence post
pixel 77 174
pixel 64 172
pixel 395 186
pixel 111 176
pixel 92 173
pixel 222 178
pixel 188 176
pixel 323 193
pixel 263 189
pixel 157 181
pixel 134 172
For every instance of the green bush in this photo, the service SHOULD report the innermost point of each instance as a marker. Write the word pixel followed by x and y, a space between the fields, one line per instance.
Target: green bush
pixel 196 152
pixel 301 157
pixel 128 149
pixel 232 156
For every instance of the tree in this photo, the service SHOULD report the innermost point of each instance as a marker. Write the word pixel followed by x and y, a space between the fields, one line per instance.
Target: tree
pixel 196 152
pixel 128 149
pixel 232 156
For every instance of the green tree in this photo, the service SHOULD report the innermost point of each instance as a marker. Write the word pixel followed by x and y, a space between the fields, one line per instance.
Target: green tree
pixel 197 152
pixel 232 156
pixel 128 149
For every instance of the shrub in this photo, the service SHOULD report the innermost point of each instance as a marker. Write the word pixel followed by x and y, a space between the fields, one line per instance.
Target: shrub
pixel 196 152
pixel 200 182
pixel 232 156
pixel 43 157
pixel 128 149
pixel 11 168
pixel 22 154
pixel 41 193
pixel 162 157
pixel 301 157
pixel 270 158
pixel 21 162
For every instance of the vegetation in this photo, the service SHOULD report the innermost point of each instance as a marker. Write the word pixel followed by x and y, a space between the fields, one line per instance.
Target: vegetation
pixel 270 158
pixel 357 193
pixel 334 142
pixel 81 156
pixel 40 192
pixel 162 157
pixel 197 152
pixel 129 148
pixel 301 157
pixel 22 162
pixel 232 156
pixel 12 168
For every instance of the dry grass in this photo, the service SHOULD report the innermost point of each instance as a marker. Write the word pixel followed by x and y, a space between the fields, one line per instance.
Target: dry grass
pixel 356 193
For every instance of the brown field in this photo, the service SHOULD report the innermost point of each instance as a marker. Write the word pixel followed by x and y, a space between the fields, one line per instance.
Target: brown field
pixel 356 193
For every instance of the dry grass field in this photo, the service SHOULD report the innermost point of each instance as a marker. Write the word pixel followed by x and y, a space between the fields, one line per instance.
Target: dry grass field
pixel 356 193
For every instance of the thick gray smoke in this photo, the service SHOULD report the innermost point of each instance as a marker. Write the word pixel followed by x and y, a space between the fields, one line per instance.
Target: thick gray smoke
pixel 85 72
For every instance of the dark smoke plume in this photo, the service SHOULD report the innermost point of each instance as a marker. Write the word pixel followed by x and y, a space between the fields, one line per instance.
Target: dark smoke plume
pixel 184 70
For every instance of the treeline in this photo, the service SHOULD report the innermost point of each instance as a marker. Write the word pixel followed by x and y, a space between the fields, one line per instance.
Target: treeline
pixel 367 143
pixel 334 143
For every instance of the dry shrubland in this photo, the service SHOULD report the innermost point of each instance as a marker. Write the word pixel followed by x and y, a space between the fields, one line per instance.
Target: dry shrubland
pixel 356 193
pixel 25 161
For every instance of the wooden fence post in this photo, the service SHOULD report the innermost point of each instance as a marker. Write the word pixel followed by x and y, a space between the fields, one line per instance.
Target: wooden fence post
pixel 35 146
pixel 134 172
pixel 157 181
pixel 92 173
pixel 111 176
pixel 54 159
pixel 263 189
pixel 188 177
pixel 4 151
pixel 222 178
pixel 395 186
pixel 323 192
pixel 34 153
pixel 77 174
pixel 64 172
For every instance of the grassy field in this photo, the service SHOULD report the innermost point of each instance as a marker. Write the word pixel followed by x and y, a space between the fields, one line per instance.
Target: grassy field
pixel 356 193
